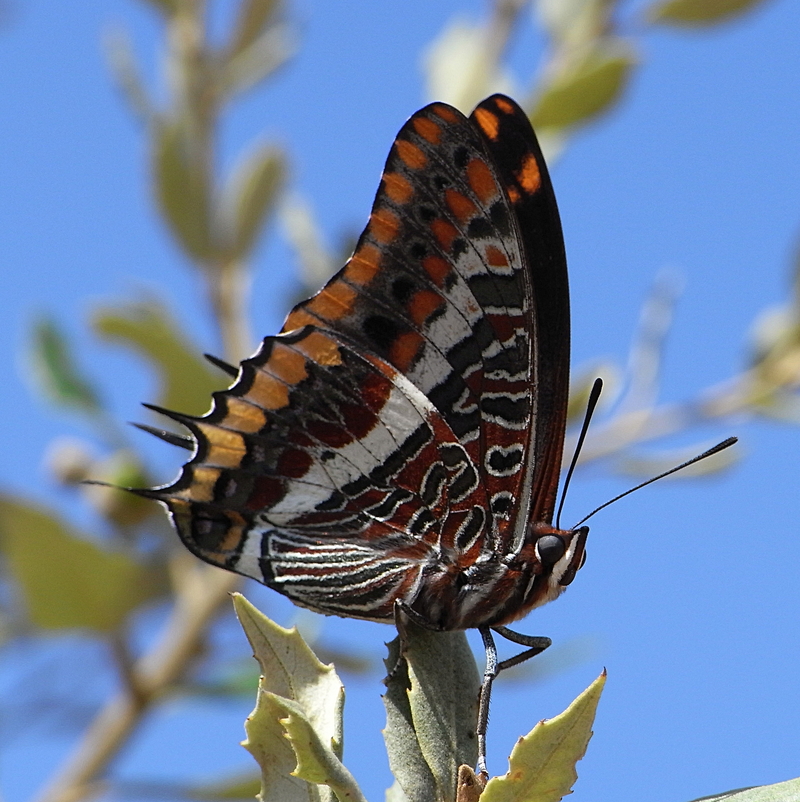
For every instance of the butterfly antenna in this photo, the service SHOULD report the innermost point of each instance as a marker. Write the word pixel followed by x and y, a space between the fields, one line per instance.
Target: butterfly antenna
pixel 594 397
pixel 711 451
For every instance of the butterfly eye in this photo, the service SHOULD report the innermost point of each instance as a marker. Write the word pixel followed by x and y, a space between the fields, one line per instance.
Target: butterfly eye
pixel 550 549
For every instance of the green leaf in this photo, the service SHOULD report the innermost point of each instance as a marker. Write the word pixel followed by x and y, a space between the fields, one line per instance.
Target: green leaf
pixel 250 198
pixel 253 17
pixel 148 328
pixel 431 732
pixel 301 700
pixel 66 580
pixel 697 13
pixel 788 791
pixel 542 763
pixel 181 183
pixel 56 372
pixel 589 86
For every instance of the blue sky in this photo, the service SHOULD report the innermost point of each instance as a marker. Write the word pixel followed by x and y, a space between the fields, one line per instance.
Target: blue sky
pixel 689 595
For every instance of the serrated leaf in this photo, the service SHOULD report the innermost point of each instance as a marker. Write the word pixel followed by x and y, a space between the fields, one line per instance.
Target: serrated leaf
pixel 697 13
pixel 542 763
pixel 788 791
pixel 316 761
pixel 250 198
pixel 56 372
pixel 186 383
pixel 67 581
pixel 290 673
pixel 182 187
pixel 251 20
pixel 431 731
pixel 586 88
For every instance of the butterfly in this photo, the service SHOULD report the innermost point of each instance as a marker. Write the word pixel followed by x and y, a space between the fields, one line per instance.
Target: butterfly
pixel 395 450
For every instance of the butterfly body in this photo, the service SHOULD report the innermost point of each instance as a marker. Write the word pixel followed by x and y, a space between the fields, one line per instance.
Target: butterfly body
pixel 400 440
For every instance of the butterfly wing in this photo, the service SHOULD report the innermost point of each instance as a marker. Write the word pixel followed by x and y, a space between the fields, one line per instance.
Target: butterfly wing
pixel 404 425
pixel 521 169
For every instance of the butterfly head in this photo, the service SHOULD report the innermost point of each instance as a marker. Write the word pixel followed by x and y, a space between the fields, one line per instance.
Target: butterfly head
pixel 558 554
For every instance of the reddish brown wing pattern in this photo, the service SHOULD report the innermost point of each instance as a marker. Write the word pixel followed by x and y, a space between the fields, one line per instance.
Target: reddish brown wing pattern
pixel 393 442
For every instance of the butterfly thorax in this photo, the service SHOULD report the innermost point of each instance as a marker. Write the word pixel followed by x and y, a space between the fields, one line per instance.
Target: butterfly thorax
pixel 495 589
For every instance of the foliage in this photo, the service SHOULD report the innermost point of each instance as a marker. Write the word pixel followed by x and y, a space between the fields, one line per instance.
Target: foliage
pixel 98 581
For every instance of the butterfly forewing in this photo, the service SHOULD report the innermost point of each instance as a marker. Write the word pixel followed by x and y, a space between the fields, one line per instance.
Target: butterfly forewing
pixel 396 440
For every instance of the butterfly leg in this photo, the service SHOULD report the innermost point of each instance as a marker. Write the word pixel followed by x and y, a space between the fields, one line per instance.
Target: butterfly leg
pixel 489 673
pixel 535 645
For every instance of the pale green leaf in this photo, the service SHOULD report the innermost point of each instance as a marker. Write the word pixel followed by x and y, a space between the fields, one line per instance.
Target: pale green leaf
pixel 56 372
pixel 697 13
pixel 252 18
pixel 316 761
pixel 587 87
pixel 396 794
pixel 431 713
pixel 461 66
pixel 788 791
pixel 414 781
pixel 271 50
pixel 444 702
pixel 542 763
pixel 186 383
pixel 182 187
pixel 249 199
pixel 573 22
pixel 67 581
pixel 290 673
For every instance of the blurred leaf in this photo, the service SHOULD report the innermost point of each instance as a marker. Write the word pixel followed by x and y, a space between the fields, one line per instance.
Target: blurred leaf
pixel 181 182
pixel 587 87
pixel 241 786
pixel 252 18
pixel 574 22
pixel 260 59
pixel 542 764
pixel 122 62
pixel 788 791
pixel 122 469
pixel 696 13
pixel 186 382
pixel 167 7
pixel 316 262
pixel 67 581
pixel 460 68
pixel 56 372
pixel 250 197
pixel 292 682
